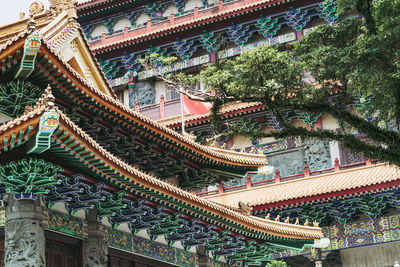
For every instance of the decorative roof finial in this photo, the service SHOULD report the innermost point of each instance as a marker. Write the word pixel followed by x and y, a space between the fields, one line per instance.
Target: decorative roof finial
pixel 35 8
pixel 31 25
pixel 57 6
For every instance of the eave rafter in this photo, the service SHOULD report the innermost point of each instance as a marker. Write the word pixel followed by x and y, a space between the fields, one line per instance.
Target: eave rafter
pixel 92 155
pixel 71 144
pixel 50 68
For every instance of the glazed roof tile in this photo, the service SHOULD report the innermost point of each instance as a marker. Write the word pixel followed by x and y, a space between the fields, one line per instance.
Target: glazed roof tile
pixel 228 157
pixel 225 156
pixel 312 186
pixel 262 225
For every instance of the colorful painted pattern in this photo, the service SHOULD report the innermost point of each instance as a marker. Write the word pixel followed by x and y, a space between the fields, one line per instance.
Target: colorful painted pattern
pixel 173 67
pixel 66 224
pixel 289 37
pixel 145 247
pixel 289 143
pixel 380 230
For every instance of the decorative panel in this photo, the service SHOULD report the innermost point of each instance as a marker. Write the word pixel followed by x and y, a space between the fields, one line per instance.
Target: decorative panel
pixel 369 232
pixel 66 224
pixel 142 92
pixel 148 248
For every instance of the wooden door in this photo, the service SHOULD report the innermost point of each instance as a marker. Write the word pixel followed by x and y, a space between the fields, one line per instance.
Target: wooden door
pixel 61 253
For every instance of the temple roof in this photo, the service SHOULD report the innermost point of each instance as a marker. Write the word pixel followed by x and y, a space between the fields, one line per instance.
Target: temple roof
pixel 72 91
pixel 74 150
pixel 57 129
pixel 205 17
pixel 327 185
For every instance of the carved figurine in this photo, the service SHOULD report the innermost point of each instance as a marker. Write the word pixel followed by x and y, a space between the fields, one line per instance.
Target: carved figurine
pixel 245 209
pixel 35 8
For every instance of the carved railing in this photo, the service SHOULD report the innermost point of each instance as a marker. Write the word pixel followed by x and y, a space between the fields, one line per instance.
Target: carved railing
pixel 277 178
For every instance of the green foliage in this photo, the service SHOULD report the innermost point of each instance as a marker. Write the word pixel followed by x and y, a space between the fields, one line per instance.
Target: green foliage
pixel 353 63
pixel 277 264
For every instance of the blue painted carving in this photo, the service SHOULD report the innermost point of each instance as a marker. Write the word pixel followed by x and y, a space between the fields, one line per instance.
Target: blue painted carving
pixel 296 18
pixel 180 5
pixel 130 62
pixel 327 11
pixel 132 16
pixel 239 34
pixel 87 30
pixel 184 48
pixel 109 68
pixel 109 23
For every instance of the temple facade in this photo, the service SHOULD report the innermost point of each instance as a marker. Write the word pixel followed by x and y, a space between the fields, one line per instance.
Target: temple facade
pixel 88 181
pixel 354 199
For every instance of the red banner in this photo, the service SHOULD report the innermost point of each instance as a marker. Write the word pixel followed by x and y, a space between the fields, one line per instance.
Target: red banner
pixel 195 107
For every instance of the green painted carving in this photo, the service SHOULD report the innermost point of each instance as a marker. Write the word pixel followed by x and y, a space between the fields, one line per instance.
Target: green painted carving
pixel 29 176
pixel 112 203
pixel 66 224
pixel 152 9
pixel 372 206
pixel 155 54
pixel 31 49
pixel 327 11
pixel 308 118
pixel 15 95
pixel 209 41
pixel 109 23
pixel 109 68
pixel 48 124
pixel 167 227
pixel 268 27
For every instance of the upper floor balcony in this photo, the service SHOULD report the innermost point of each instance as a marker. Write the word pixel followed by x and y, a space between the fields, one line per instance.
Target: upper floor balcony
pixel 175 22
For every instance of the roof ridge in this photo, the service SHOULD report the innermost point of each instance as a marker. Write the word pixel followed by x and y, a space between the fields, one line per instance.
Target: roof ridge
pixel 315 185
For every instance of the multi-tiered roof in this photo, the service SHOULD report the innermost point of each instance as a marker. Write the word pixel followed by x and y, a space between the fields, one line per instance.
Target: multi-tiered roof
pixel 69 140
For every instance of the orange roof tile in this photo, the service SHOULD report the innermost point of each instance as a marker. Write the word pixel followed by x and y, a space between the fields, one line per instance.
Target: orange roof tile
pixel 311 186
pixel 262 225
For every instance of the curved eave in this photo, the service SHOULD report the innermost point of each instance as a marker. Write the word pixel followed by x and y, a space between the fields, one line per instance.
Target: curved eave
pixel 123 115
pixel 131 178
pixel 234 110
pixel 187 25
pixel 111 108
